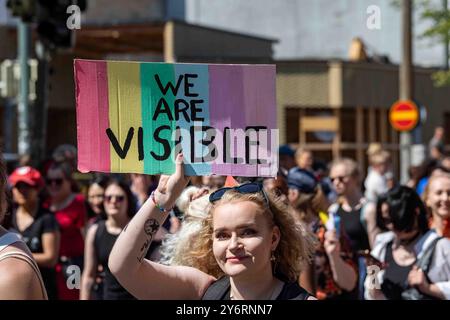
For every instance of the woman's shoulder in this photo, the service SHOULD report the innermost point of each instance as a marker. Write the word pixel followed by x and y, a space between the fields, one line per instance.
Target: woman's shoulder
pixel 17 276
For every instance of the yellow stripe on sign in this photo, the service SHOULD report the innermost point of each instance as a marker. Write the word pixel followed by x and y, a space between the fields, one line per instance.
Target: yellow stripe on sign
pixel 405 115
pixel 124 92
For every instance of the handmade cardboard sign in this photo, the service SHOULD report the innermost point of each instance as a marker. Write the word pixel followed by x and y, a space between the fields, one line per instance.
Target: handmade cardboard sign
pixel 134 117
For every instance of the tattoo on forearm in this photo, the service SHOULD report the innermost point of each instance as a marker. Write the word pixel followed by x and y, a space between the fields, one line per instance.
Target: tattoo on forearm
pixel 150 228
pixel 144 248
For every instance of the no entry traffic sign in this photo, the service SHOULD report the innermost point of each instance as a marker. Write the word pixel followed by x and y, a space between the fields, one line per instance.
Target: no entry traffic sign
pixel 404 115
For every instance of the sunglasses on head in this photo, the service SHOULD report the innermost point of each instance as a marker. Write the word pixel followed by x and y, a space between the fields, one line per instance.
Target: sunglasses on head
pixel 57 181
pixel 118 198
pixel 252 187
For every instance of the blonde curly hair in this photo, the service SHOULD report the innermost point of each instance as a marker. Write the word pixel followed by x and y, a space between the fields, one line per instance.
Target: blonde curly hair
pixel 175 247
pixel 294 249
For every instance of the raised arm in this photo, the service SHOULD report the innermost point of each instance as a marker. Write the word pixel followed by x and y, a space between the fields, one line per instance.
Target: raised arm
pixel 146 279
pixel 344 274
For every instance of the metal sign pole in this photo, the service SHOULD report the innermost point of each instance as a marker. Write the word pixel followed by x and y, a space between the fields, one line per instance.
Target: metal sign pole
pixel 406 86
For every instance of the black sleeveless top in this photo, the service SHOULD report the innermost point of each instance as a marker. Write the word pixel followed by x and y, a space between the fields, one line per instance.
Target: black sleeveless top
pixel 220 290
pixel 356 232
pixel 395 277
pixel 103 243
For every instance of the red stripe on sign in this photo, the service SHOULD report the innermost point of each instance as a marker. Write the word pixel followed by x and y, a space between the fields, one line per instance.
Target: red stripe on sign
pixel 403 107
pixel 92 115
pixel 404 123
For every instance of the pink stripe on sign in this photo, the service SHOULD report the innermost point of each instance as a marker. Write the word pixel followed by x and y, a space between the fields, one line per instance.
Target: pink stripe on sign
pixel 91 90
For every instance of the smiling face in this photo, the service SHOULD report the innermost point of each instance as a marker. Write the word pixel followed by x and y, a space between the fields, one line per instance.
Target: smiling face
pixel 243 239
pixel 438 197
pixel 116 202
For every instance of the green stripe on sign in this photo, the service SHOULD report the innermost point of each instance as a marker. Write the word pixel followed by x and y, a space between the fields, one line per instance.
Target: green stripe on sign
pixel 157 85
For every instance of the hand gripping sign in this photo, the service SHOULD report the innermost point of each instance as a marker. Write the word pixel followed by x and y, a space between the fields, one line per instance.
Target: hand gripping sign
pixel 134 117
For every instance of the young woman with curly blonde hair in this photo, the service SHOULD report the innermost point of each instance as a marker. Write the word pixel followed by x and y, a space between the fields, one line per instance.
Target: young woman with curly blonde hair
pixel 249 247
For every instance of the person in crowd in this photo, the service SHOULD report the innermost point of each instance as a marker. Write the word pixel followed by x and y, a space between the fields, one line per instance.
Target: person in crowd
pixel 36 225
pixel 414 173
pixel 436 144
pixel 445 162
pixel 243 251
pixel 304 159
pixel 213 182
pixel 120 207
pixel 69 209
pixel 141 186
pixel 376 182
pixel 426 169
pixel 95 197
pixel 278 185
pixel 333 275
pixel 321 172
pixel 20 278
pixel 403 249
pixel 286 158
pixel 358 215
pixel 437 200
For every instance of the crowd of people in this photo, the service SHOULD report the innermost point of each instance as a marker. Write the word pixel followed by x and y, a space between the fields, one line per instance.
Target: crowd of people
pixel 315 231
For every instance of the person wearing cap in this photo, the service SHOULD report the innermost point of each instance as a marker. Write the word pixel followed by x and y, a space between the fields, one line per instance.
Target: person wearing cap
pixel 68 206
pixel 286 157
pixel 20 276
pixel 334 271
pixel 36 225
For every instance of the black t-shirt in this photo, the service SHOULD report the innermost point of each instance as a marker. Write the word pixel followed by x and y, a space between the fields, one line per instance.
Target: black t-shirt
pixel 103 243
pixel 351 222
pixel 44 222
pixel 220 290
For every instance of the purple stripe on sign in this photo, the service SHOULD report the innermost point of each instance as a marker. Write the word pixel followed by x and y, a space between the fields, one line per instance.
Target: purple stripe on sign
pixel 92 115
pixel 222 101
pixel 259 88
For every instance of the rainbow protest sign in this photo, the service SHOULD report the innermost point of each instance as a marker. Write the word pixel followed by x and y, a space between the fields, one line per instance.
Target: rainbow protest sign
pixel 133 117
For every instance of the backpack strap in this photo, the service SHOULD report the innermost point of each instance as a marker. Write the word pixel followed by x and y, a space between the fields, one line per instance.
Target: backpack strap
pixel 218 289
pixel 24 257
pixel 425 260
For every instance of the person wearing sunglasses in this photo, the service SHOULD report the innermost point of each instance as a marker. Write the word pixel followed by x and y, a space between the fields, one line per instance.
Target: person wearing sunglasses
pixel 95 199
pixel 333 274
pixel 20 278
pixel 417 259
pixel 120 207
pixel 358 216
pixel 244 249
pixel 68 206
pixel 36 225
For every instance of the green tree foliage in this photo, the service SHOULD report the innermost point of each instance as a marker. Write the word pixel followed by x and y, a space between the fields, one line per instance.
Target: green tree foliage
pixel 439 16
